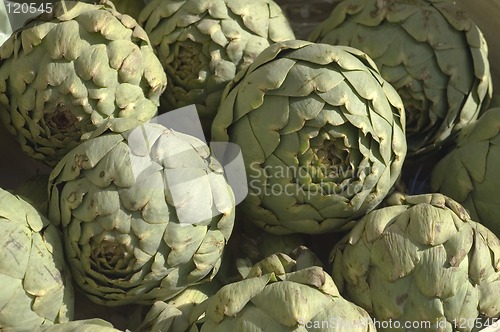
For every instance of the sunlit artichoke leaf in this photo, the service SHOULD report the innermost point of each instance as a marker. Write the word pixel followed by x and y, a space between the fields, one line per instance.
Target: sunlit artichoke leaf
pixel 233 297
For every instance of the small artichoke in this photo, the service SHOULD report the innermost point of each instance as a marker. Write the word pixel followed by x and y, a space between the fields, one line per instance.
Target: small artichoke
pixel 36 283
pixel 174 314
pixel 297 301
pixel 469 172
pixel 421 260
pixel 145 213
pixel 202 44
pixel 429 50
pixel 5 28
pixel 66 72
pixel 321 133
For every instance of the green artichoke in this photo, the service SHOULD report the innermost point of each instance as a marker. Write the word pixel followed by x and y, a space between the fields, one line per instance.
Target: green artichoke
pixel 87 325
pixel 145 213
pixel 174 314
pixel 36 283
pixel 34 191
pixel 202 44
pixel 429 50
pixel 68 71
pixel 321 133
pixel 421 261
pixel 298 301
pixel 469 172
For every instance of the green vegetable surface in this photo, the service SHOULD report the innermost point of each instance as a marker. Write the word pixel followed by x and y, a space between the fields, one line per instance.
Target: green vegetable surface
pixel 144 213
pixel 321 133
pixel 429 50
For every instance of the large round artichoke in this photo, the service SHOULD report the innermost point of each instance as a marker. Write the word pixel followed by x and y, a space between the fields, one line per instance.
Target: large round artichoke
pixel 67 71
pixel 36 283
pixel 321 133
pixel 144 213
pixel 5 27
pixel 297 301
pixel 421 260
pixel 429 50
pixel 202 44
pixel 469 172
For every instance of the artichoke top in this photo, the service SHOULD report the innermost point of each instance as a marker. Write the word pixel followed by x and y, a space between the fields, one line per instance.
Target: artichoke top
pixel 321 133
pixel 300 300
pixel 421 259
pixel 429 50
pixel 66 72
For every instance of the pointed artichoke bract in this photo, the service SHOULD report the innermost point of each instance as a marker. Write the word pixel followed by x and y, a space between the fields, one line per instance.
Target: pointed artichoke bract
pixel 469 172
pixel 302 300
pixel 203 44
pixel 36 282
pixel 67 71
pixel 321 133
pixel 421 260
pixel 429 50
pixel 145 212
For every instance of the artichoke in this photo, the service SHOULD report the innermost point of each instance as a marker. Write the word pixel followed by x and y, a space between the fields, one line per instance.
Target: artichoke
pixel 174 314
pixel 421 260
pixel 202 44
pixel 429 50
pixel 5 28
pixel 129 7
pixel 66 72
pixel 469 172
pixel 145 213
pixel 36 284
pixel 297 301
pixel 321 133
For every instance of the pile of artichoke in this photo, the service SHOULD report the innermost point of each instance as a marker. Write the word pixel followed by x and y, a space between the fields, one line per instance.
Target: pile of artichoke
pixel 232 165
